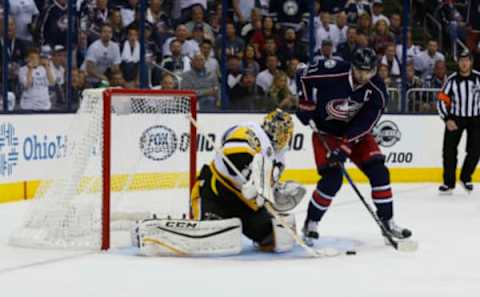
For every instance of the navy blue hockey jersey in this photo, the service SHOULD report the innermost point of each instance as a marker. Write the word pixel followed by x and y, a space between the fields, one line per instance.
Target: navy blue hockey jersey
pixel 327 96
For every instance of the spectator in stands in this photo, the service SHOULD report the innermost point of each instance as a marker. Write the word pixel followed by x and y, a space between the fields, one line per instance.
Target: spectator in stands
pixel 131 55
pixel 426 59
pixel 168 82
pixel 198 21
pixel 188 47
pixel 279 92
pixel 346 49
pixel 377 12
pixel 365 24
pixel 203 82
pixel 326 31
pixel 255 17
pixel 249 63
pixel 333 6
pixel 454 23
pixel 355 8
pixel 161 22
pixel 268 26
pixel 326 52
pixel 81 50
pixel 103 55
pixel 118 30
pixel 234 44
pixel 292 47
pixel 414 101
pixel 97 16
pixel 390 59
pixel 393 104
pixel 25 13
pixel 17 50
pixel 265 78
pixel 182 9
pixel 198 34
pixel 176 62
pixel 78 85
pixel 246 95
pixel 128 11
pixel 35 78
pixel 439 77
pixel 243 10
pixel 211 62
pixel 384 73
pixel 412 50
pixel 116 79
pixel 270 49
pixel 396 27
pixel 381 37
pixel 342 26
pixel 234 71
pixel 53 32
pixel 292 66
pixel 58 64
pixel 362 39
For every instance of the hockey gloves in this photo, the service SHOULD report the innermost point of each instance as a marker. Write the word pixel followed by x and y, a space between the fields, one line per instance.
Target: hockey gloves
pixel 337 156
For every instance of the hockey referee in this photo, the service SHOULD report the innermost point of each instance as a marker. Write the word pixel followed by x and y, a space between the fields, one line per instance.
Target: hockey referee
pixel 459 106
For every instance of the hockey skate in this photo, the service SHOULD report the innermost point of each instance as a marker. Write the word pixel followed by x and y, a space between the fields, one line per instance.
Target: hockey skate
pixel 445 190
pixel 468 186
pixel 396 231
pixel 310 233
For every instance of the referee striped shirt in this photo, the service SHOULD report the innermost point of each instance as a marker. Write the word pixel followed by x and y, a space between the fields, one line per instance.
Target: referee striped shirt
pixel 460 96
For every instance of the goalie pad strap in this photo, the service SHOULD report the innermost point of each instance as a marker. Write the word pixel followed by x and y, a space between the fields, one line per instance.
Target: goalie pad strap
pixel 167 237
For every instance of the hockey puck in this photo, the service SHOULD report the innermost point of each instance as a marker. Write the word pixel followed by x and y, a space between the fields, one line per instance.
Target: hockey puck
pixel 350 252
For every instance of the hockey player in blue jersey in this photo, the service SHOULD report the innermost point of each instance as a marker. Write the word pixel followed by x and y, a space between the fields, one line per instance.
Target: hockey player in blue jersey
pixel 342 103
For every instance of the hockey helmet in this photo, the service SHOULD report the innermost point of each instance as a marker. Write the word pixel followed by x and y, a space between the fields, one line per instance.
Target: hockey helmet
pixel 364 59
pixel 278 125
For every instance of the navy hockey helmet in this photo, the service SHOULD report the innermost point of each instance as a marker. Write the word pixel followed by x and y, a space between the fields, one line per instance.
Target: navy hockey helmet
pixel 364 59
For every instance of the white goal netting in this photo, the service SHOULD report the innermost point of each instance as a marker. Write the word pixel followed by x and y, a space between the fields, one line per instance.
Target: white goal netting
pixel 150 169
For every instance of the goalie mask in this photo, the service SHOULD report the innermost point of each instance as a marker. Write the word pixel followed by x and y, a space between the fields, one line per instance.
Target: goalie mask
pixel 278 125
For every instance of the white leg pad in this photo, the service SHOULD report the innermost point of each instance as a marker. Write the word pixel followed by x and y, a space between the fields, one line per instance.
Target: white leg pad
pixel 172 237
pixel 284 242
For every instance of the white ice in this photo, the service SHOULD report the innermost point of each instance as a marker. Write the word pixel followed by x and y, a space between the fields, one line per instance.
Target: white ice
pixel 446 264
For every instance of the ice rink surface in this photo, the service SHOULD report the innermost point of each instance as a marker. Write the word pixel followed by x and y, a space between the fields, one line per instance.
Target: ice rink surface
pixel 446 264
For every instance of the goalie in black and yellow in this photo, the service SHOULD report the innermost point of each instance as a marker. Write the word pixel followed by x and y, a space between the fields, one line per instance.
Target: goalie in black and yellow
pixel 240 186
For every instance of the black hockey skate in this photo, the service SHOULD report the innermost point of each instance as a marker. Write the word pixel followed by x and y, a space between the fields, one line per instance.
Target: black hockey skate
pixel 468 186
pixel 396 231
pixel 310 233
pixel 445 190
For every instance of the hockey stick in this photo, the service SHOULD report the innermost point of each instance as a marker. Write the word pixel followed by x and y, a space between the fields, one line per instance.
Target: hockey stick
pixel 404 245
pixel 312 252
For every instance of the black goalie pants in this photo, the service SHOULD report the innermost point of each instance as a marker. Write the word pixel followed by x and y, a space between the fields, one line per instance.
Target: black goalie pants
pixel 212 199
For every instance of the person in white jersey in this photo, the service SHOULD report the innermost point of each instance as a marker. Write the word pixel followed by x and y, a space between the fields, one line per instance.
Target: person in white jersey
pixel 35 78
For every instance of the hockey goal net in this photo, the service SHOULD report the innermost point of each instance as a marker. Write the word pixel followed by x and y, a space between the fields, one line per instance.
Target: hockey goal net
pixel 131 153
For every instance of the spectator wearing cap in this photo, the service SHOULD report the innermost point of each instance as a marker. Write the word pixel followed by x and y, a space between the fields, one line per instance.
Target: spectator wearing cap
pixel 346 49
pixel 58 64
pixel 292 47
pixel 211 62
pixel 198 22
pixel 381 37
pixel 204 83
pixel 188 47
pixel 377 12
pixel 25 13
pixel 426 59
pixel 128 11
pixel 326 31
pixel 355 8
pixel 130 55
pixel 53 32
pixel 102 55
pixel 249 63
pixel 265 78
pixel 176 62
pixel 326 52
pixel 234 45
pixel 390 59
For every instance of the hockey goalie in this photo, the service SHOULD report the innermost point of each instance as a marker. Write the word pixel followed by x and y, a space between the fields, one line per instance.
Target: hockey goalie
pixel 230 195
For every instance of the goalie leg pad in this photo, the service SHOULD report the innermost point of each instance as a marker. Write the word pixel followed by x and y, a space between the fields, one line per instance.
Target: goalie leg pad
pixel 284 242
pixel 171 237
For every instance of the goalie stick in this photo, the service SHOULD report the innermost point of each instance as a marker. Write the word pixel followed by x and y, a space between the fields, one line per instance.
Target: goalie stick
pixel 400 245
pixel 316 253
